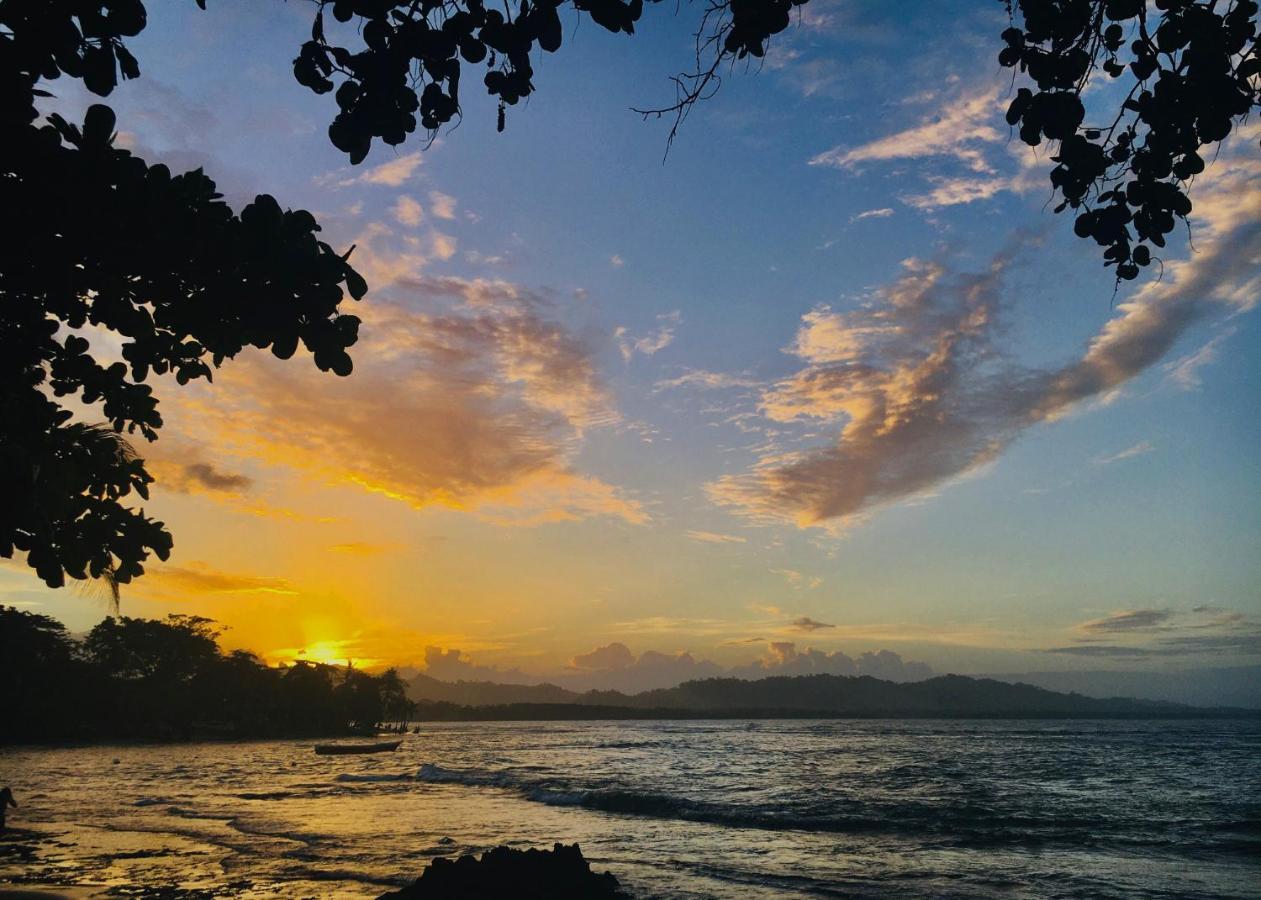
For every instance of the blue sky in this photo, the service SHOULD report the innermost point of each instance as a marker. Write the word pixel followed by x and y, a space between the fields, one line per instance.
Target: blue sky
pixel 830 374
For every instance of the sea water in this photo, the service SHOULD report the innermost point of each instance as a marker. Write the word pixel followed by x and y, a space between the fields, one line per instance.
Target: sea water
pixel 1088 809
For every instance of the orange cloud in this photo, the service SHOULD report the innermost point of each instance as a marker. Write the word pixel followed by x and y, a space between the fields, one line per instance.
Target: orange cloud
pixel 362 548
pixel 921 393
pixel 195 477
pixel 467 397
pixel 200 578
pixel 960 129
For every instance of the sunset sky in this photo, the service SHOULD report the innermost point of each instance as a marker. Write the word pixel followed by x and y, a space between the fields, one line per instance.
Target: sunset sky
pixel 831 375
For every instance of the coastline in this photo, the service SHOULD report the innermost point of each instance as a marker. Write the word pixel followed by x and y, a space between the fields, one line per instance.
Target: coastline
pixel 443 713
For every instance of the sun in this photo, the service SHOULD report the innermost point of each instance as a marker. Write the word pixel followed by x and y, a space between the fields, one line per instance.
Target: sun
pixel 328 652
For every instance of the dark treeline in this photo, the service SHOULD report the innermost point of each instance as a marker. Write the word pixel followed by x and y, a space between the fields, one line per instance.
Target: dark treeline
pixel 789 697
pixel 580 712
pixel 169 680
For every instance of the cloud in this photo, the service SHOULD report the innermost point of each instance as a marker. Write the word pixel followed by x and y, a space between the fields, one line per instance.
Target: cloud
pixel 611 656
pixel 1105 650
pixel 1126 620
pixel 1247 644
pixel 200 578
pixel 1154 633
pixel 967 131
pixel 959 130
pixel 362 548
pixel 954 191
pixel 407 211
pixel 807 624
pixel 615 667
pixel 705 381
pixel 828 337
pixel 882 213
pixel 610 667
pixel 1128 453
pixel 648 344
pixel 197 477
pixel 451 665
pixel 384 259
pixel 478 258
pixel 1185 372
pixel 783 658
pixel 906 378
pixel 442 245
pixel 394 173
pixel 442 205
pixel 466 396
pixel 711 537
pixel 616 261
pixel 798 580
pixel 922 393
pixel 818 75
pixel 476 293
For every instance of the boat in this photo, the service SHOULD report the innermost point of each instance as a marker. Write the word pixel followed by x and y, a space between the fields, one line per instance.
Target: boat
pixel 340 749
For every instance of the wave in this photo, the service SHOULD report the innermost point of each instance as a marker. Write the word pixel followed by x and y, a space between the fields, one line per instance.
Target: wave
pixel 623 801
pixel 435 774
pixel 351 777
pixel 979 823
pixel 266 795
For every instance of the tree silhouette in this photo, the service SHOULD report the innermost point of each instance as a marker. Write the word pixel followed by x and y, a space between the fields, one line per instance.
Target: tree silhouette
pixel 108 244
pixel 174 650
pixel 167 678
pixel 405 67
pixel 394 703
pixel 1194 72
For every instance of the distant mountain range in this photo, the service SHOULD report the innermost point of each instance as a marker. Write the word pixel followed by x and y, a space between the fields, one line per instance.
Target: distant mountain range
pixel 804 695
pixel 1221 686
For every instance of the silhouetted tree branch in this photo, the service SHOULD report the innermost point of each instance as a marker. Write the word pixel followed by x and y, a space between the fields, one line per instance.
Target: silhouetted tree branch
pixel 405 66
pixel 107 244
pixel 1194 71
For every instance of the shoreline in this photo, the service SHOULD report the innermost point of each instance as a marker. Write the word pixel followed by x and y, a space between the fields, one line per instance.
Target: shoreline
pixel 578 714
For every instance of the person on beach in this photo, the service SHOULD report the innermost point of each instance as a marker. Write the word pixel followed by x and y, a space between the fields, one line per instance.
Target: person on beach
pixel 6 800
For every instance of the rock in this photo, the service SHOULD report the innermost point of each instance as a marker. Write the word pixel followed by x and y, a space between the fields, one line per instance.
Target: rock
pixel 557 874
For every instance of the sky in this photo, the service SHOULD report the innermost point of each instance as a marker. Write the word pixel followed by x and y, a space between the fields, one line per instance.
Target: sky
pixel 827 379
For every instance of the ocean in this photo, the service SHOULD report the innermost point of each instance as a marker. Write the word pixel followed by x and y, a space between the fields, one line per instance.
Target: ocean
pixel 1089 809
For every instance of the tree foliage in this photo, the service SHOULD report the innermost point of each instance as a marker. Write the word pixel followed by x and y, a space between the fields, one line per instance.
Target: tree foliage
pixel 109 246
pixel 1192 71
pixel 131 678
pixel 400 67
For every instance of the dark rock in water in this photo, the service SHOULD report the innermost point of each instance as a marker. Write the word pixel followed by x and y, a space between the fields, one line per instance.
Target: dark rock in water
pixel 557 874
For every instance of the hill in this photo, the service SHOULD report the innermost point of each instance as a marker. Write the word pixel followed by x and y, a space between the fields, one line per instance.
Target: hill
pixel 951 696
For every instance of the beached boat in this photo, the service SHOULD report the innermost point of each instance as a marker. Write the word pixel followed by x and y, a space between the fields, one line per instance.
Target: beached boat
pixel 339 749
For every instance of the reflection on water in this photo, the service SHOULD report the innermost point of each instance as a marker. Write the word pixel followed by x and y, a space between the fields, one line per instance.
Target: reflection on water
pixel 678 809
